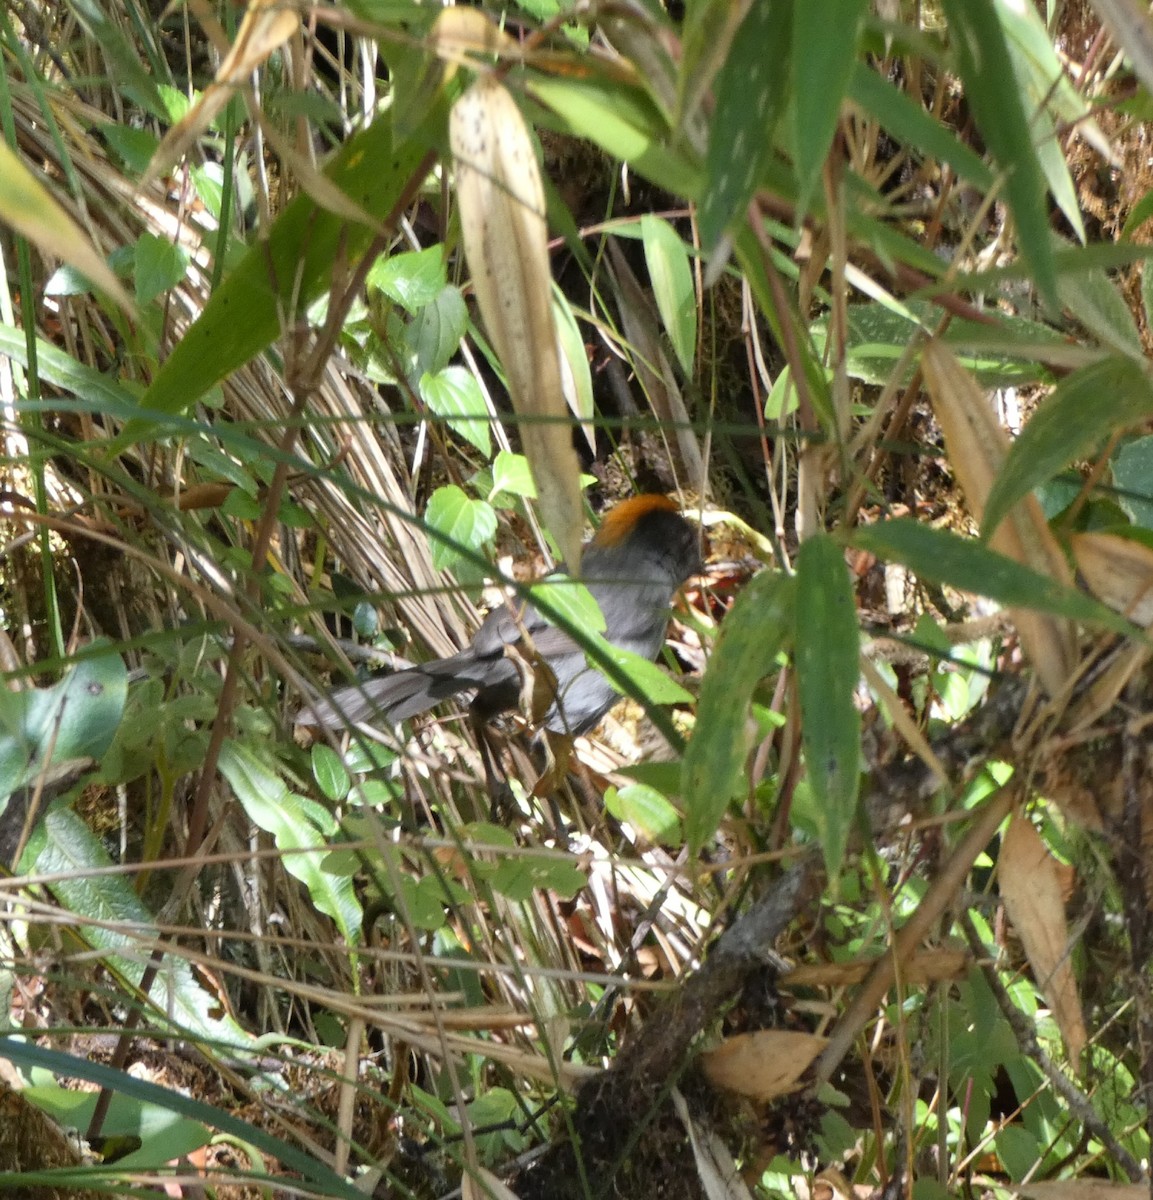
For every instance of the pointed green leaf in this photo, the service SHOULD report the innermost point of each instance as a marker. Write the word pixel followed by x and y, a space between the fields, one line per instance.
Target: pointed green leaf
pixel 750 97
pixel 824 48
pixel 827 660
pixel 1084 408
pixel 672 279
pixel 970 566
pixel 991 89
pixel 755 631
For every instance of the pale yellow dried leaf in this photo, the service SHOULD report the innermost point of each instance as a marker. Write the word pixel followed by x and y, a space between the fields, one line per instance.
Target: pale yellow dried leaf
pixel 502 211
pixel 1031 887
pixel 1083 1189
pixel 266 26
pixel 762 1065
pixel 1119 572
pixel 926 966
pixel 460 31
pixel 29 208
pixel 977 448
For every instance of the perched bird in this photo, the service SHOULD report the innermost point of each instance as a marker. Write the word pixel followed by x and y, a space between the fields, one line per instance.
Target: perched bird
pixel 641 554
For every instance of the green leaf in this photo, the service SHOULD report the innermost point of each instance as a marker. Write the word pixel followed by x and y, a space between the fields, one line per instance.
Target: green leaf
pixel 908 122
pixel 647 811
pixel 1093 298
pixel 643 679
pixel 329 772
pixel 672 280
pixel 433 336
pixel 1133 478
pixel 297 826
pixel 567 602
pixel 750 98
pixel 411 280
pixel 322 1178
pixel 63 844
pixel 76 718
pixel 620 119
pixel 460 522
pixel 827 660
pixel 755 631
pixel 160 265
pixel 823 50
pixel 1083 409
pixel 970 566
pixel 991 89
pixel 511 475
pixel 454 394
pixel 278 278
pixel 579 385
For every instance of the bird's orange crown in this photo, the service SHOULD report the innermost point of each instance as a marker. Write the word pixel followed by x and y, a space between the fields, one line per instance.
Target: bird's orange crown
pixel 621 519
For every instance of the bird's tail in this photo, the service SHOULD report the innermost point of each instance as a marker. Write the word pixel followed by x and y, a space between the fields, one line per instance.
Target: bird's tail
pixel 390 699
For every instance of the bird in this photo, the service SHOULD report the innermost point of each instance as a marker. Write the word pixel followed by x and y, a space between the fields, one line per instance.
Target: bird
pixel 634 565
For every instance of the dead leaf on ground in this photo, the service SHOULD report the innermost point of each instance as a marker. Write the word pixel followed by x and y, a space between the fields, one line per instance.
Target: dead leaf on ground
pixel 1033 890
pixel 762 1065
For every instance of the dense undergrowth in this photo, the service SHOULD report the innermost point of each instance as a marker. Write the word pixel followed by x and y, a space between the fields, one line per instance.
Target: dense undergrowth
pixel 854 895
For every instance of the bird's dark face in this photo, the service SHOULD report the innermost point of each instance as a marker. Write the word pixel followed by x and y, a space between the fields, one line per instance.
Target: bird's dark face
pixel 666 542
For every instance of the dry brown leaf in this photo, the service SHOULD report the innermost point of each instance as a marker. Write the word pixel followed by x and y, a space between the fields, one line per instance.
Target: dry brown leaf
pixel 266 26
pixel 718 1174
pixel 29 208
pixel 502 211
pixel 977 448
pixel 926 966
pixel 1033 890
pixel 1119 572
pixel 761 1065
pixel 1083 1189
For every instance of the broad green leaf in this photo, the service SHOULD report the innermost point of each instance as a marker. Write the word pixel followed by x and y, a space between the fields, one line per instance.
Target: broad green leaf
pixel 329 772
pixel 1133 479
pixel 568 603
pixel 642 679
pixel 511 474
pixel 991 89
pixel 160 265
pixel 519 876
pixel 672 280
pixel 76 718
pixel 433 335
pixel 454 394
pixel 63 844
pixel 750 97
pixel 647 811
pixel 622 120
pixel 908 122
pixel 827 658
pixel 1093 298
pixel 1084 409
pixel 970 566
pixel 412 280
pixel 756 630
pixel 296 824
pixel 824 47
pixel 460 522
pixel 323 1179
pixel 278 278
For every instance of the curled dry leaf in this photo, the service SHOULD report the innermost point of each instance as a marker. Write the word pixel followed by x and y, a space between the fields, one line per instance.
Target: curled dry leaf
pixel 1119 571
pixel 762 1065
pixel 977 448
pixel 1032 888
pixel 502 211
pixel 266 26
